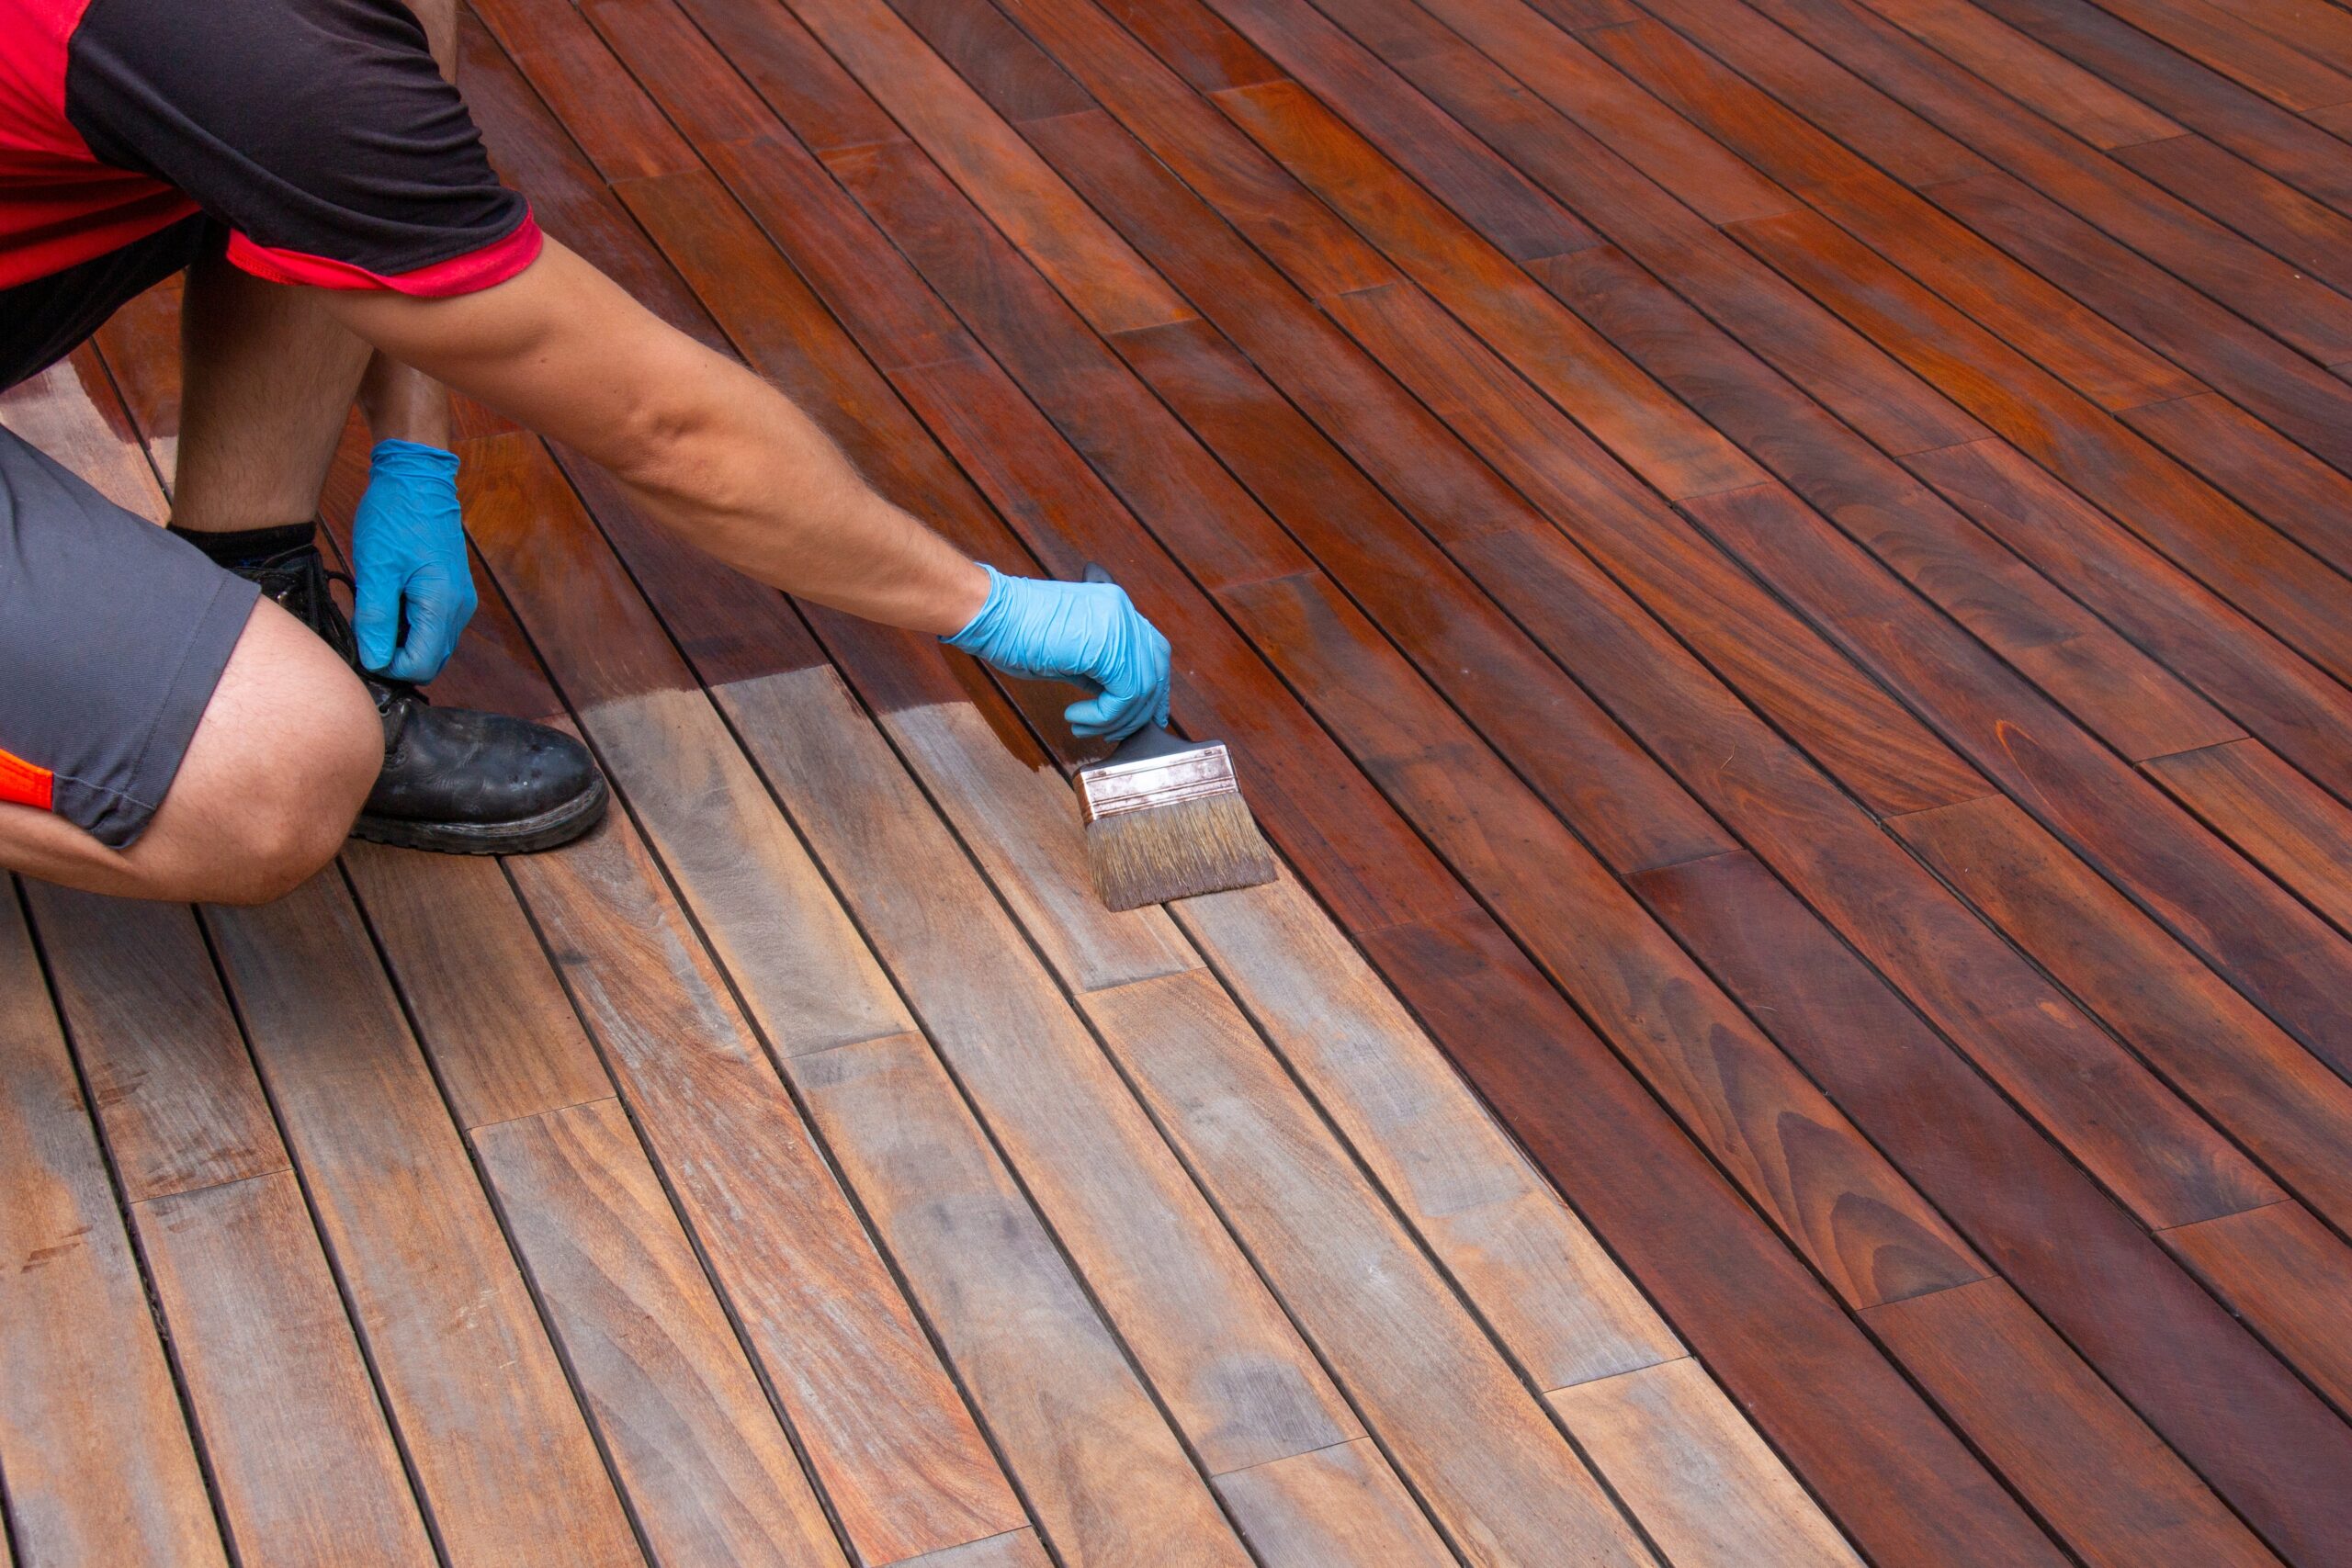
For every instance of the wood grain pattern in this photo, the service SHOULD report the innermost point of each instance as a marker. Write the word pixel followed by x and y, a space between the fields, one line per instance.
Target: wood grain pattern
pixel 498 1443
pixel 1213 1342
pixel 2022 1385
pixel 98 1456
pixel 295 1441
pixel 1694 1472
pixel 1070 1415
pixel 886 1434
pixel 2276 816
pixel 1336 1505
pixel 2285 1273
pixel 489 1008
pixel 1553 1296
pixel 692 1437
pixel 2080 1258
pixel 1494 1473
pixel 2279 1101
pixel 168 1074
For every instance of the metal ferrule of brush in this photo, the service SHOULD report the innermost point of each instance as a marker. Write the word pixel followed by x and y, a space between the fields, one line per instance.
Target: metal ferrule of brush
pixel 1153 768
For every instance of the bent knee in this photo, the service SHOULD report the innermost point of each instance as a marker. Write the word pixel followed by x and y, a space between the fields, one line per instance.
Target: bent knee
pixel 282 763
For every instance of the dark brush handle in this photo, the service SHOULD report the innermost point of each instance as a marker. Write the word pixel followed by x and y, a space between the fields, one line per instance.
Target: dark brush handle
pixel 1153 739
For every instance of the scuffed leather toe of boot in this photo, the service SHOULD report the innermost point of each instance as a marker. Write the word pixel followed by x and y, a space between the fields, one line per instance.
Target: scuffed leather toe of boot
pixel 479 782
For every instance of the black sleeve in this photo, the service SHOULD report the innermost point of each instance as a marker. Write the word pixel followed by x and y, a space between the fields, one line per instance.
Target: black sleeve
pixel 320 131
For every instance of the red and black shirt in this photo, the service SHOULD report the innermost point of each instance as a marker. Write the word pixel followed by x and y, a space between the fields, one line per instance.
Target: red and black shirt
pixel 318 132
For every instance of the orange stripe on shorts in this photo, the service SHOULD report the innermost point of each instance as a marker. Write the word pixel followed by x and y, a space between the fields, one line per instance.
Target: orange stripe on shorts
pixel 24 785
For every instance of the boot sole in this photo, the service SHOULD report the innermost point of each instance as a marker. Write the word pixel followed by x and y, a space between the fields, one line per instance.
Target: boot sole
pixel 558 825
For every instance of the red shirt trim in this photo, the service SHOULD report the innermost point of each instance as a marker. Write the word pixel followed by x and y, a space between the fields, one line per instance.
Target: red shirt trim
pixel 468 274
pixel 21 783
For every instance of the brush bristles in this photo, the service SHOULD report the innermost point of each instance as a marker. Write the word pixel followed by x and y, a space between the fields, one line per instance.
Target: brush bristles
pixel 1208 845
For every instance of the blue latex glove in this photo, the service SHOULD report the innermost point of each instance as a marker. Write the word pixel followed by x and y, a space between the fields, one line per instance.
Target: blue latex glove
pixel 408 553
pixel 1086 632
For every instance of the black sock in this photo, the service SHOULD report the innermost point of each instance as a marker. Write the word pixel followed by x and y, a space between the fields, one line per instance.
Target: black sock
pixel 248 546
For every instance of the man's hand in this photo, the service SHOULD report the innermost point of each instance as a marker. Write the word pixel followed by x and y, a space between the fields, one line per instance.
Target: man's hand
pixel 1087 632
pixel 408 548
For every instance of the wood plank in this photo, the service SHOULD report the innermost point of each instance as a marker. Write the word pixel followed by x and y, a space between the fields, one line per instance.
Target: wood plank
pixel 2274 1097
pixel 1104 1473
pixel 2276 816
pixel 1017 1548
pixel 2280 72
pixel 2118 690
pixel 711 1473
pixel 1905 145
pixel 1694 1472
pixel 174 1091
pixel 2256 371
pixel 1538 1276
pixel 2079 1258
pixel 2272 580
pixel 71 413
pixel 2276 950
pixel 99 1464
pixel 294 1440
pixel 489 1008
pixel 2285 1273
pixel 884 1428
pixel 2034 1408
pixel 2265 684
pixel 1494 1473
pixel 2241 457
pixel 1911 1492
pixel 2250 281
pixel 2004 1016
pixel 1025 196
pixel 2292 147
pixel 500 1452
pixel 1797 1159
pixel 2266 211
pixel 1180 1294
pixel 1340 1505
pixel 2037 76
pixel 2064 334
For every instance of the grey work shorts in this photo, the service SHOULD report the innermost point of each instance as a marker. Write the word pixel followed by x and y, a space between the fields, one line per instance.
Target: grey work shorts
pixel 113 635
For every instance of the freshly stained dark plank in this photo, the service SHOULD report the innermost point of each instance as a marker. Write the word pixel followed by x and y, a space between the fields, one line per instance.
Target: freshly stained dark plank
pixel 2276 816
pixel 2248 55
pixel 97 1455
pixel 2274 1097
pixel 2025 1398
pixel 2277 694
pixel 2027 70
pixel 2076 1255
pixel 2292 148
pixel 2261 287
pixel 2285 1273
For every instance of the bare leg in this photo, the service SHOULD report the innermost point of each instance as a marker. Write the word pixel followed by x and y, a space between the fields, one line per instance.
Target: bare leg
pixel 276 770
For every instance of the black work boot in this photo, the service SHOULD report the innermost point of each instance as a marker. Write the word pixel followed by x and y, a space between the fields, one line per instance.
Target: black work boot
pixel 458 781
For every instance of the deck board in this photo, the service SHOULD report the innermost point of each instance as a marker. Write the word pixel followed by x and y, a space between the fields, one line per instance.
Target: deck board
pixel 1778 569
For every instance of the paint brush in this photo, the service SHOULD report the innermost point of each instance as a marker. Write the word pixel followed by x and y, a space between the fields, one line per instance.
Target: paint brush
pixel 1165 818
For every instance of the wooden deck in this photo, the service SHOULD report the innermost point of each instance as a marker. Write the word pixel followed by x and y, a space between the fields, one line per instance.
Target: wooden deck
pixel 1780 568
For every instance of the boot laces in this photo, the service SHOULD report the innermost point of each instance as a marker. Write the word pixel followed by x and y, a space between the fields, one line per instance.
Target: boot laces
pixel 299 580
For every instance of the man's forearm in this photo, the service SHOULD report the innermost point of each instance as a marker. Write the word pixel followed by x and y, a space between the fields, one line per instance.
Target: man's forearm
pixel 709 450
